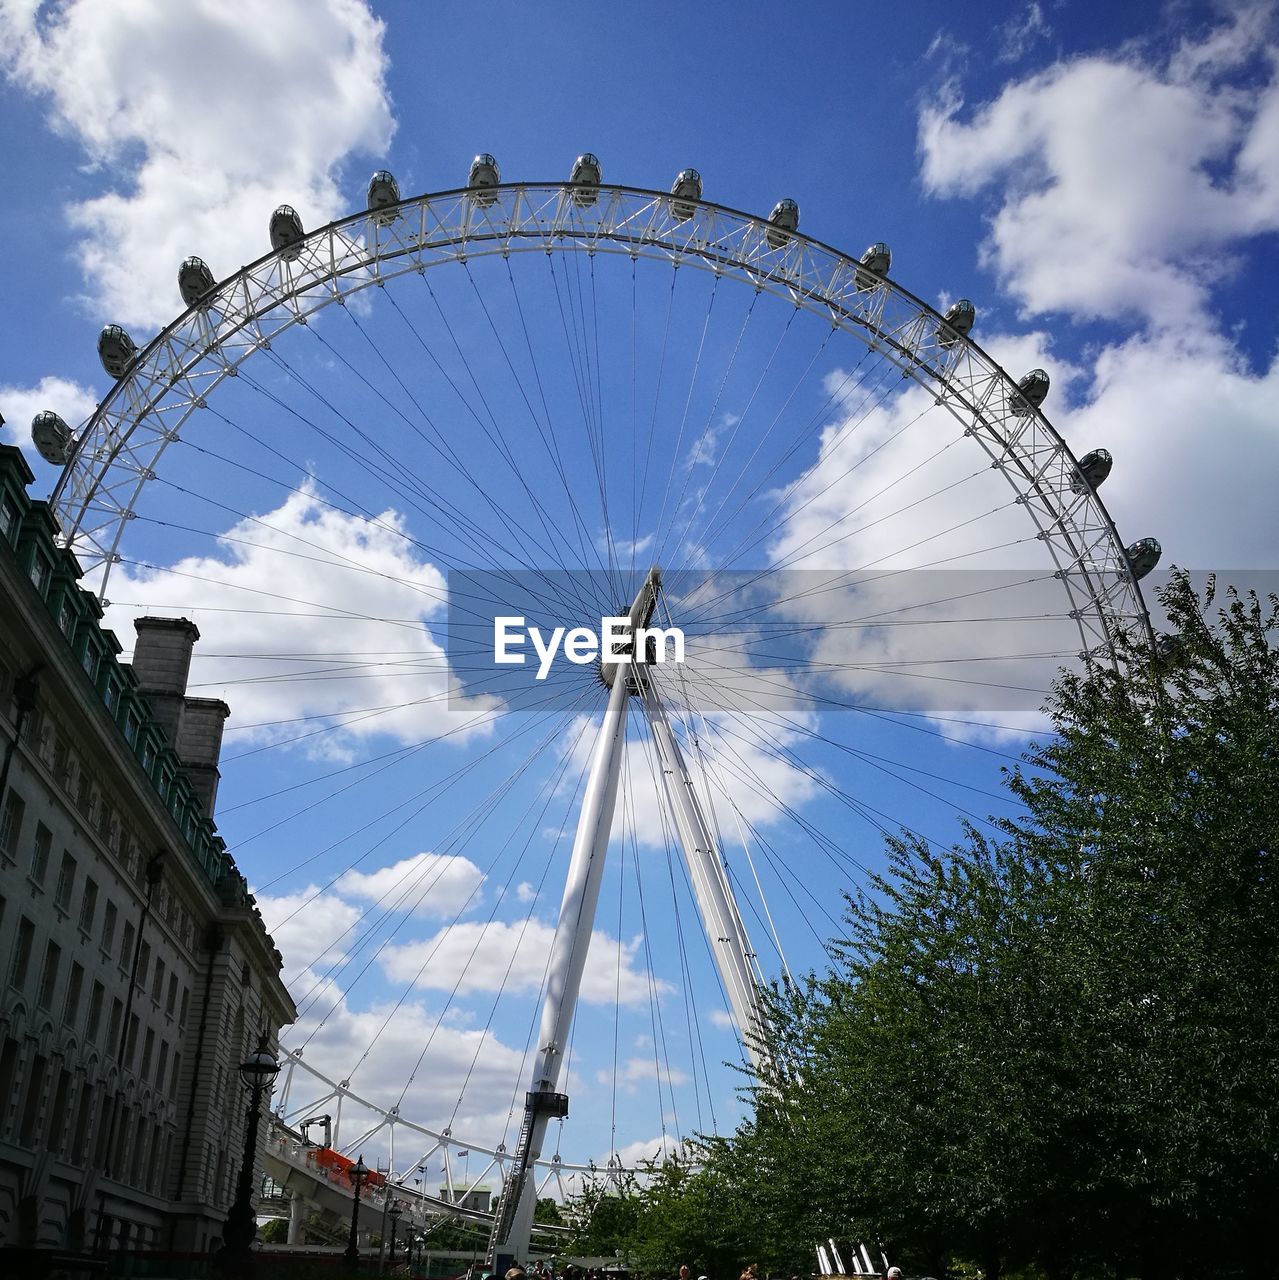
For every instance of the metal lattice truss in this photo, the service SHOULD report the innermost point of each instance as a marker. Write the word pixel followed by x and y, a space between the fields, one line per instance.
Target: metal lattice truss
pixel 553 1174
pixel 119 448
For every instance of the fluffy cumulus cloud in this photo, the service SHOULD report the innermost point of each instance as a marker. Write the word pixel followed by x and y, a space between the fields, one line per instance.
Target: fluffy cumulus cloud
pixel 355 675
pixel 72 402
pixel 309 926
pixel 427 884
pixel 467 1078
pixel 496 955
pixel 1122 183
pixel 300 87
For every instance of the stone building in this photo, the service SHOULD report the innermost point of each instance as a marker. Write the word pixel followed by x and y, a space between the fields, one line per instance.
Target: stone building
pixel 135 970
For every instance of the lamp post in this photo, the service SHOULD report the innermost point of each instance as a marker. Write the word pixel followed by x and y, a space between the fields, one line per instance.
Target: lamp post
pixel 258 1071
pixel 359 1174
pixel 393 1212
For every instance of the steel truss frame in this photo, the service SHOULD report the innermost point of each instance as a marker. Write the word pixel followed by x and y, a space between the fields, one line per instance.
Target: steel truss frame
pixel 119 448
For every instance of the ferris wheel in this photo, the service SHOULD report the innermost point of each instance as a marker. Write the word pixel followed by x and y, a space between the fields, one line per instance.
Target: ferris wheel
pixel 589 401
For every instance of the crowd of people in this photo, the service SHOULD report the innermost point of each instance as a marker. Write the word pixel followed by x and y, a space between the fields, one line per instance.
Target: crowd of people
pixel 541 1270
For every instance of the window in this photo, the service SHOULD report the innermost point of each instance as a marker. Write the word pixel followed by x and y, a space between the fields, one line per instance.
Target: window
pixel 175 1075
pixel 22 953
pixel 131 1043
pixel 31 1111
pixel 15 809
pixel 172 999
pixel 8 518
pixel 80 1141
pixel 130 728
pixel 49 976
pixel 39 572
pixel 40 854
pixel 58 1113
pixel 157 984
pixel 62 764
pixel 117 1016
pixel 66 882
pixel 94 1024
pixel 88 905
pixel 182 1017
pixel 126 946
pixel 71 1006
pixel 108 927
pixel 148 1050
pixel 144 965
pixel 162 1064
pixel 66 616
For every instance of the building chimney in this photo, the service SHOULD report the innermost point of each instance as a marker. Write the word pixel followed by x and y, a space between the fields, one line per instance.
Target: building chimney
pixel 162 663
pixel 200 745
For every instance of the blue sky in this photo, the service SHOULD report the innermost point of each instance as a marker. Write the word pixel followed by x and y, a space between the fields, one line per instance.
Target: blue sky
pixel 1103 181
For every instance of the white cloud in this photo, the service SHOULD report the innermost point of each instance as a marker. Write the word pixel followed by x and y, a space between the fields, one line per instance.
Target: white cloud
pixel 722 1019
pixel 380 1050
pixel 495 955
pixel 662 1147
pixel 428 884
pixel 308 925
pixel 1196 445
pixel 525 892
pixel 637 1071
pixel 1022 32
pixel 201 117
pixel 72 402
pixel 1121 182
pixel 299 560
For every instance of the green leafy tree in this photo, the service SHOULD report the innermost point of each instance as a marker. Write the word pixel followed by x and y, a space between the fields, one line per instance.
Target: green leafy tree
pixel 1055 1049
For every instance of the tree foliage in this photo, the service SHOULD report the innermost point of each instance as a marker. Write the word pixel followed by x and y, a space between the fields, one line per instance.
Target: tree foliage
pixel 1054 1048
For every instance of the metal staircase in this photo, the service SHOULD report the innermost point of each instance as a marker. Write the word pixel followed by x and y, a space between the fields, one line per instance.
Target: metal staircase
pixel 540 1102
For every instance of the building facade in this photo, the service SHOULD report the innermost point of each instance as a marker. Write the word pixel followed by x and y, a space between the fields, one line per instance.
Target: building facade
pixel 135 970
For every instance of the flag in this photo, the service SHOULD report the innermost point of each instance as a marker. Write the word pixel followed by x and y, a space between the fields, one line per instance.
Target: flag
pixel 467 1152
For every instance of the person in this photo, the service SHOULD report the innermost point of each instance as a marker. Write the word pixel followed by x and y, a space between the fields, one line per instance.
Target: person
pixel 751 1272
pixel 894 1273
pixel 685 1273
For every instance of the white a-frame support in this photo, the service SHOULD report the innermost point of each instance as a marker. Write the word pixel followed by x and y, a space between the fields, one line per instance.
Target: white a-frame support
pixel 709 876
pixel 513 1221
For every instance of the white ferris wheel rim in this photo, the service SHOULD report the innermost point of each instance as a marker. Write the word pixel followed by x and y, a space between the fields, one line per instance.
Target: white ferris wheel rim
pixel 119 447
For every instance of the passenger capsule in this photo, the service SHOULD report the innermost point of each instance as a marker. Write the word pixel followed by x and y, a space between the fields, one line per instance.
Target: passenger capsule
pixel 874 265
pixel 383 193
pixel 484 174
pixel 1168 647
pixel 116 350
pixel 687 186
pixel 194 280
pixel 585 179
pixel 1143 556
pixel 1030 394
pixel 286 232
pixel 781 222
pixel 1094 467
pixel 956 323
pixel 51 437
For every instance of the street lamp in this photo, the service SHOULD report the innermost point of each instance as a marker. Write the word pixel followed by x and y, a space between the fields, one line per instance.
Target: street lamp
pixel 258 1071
pixel 359 1175
pixel 393 1212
